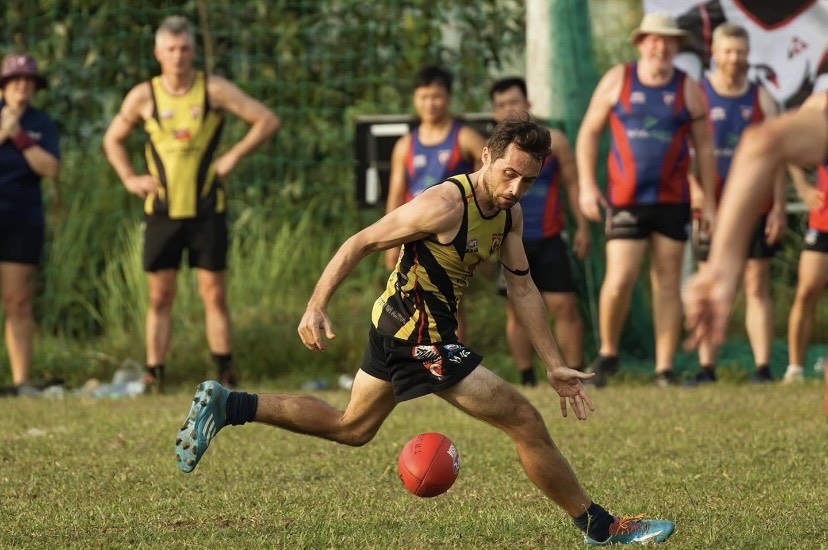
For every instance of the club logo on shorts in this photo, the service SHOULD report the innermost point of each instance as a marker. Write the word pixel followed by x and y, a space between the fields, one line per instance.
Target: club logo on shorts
pixel 811 237
pixel 455 353
pixel 431 358
pixel 622 218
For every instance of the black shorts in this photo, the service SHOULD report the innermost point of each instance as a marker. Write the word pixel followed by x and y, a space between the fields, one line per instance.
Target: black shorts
pixel 640 221
pixel 205 240
pixel 816 241
pixel 549 264
pixel 759 247
pixel 415 371
pixel 21 244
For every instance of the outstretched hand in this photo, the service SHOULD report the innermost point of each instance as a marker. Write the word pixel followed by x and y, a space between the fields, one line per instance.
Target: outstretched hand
pixel 707 302
pixel 313 326
pixel 567 383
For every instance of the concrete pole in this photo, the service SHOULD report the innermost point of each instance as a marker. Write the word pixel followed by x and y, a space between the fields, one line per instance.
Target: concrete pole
pixel 539 58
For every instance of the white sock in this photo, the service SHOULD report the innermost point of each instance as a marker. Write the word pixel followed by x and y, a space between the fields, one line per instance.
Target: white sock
pixel 795 369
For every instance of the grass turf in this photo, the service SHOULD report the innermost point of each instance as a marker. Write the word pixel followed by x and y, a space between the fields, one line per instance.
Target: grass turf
pixel 735 465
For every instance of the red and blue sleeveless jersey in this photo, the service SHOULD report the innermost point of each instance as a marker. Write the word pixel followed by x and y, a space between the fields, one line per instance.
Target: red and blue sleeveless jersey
pixel 427 165
pixel 542 213
pixel 818 218
pixel 729 116
pixel 649 157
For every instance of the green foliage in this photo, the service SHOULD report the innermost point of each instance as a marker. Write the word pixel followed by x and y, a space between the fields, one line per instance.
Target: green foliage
pixel 318 65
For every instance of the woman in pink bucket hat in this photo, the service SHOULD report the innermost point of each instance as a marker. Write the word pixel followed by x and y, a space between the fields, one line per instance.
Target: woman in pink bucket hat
pixel 29 151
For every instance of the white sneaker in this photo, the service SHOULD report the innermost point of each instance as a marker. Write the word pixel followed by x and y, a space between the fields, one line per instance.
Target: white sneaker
pixel 793 375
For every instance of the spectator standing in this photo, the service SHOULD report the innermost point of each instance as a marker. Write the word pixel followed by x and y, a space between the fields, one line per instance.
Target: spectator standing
pixel 544 241
pixel 182 111
pixel 29 151
pixel 653 110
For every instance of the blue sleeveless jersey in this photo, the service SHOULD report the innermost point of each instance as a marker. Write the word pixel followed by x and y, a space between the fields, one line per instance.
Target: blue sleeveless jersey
pixel 542 213
pixel 648 158
pixel 729 116
pixel 427 165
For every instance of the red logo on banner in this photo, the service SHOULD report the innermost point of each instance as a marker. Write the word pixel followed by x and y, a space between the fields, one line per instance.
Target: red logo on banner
pixel 797 46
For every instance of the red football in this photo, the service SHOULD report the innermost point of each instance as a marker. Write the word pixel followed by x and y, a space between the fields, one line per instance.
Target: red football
pixel 428 464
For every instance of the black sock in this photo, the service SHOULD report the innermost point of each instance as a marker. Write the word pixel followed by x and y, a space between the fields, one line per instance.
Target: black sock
pixel 708 368
pixel 157 372
pixel 595 522
pixel 527 377
pixel 223 361
pixel 224 364
pixel 240 408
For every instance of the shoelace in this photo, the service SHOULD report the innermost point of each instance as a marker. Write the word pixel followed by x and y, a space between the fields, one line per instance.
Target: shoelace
pixel 627 525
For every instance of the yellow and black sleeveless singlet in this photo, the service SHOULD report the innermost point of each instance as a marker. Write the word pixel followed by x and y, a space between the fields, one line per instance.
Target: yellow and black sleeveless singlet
pixel 183 132
pixel 422 294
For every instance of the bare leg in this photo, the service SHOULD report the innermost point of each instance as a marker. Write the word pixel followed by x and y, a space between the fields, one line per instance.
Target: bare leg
pixel 485 396
pixel 665 277
pixel 813 276
pixel 212 289
pixel 162 288
pixel 519 344
pixel 569 327
pixel 758 309
pixel 622 266
pixel 18 282
pixel 372 400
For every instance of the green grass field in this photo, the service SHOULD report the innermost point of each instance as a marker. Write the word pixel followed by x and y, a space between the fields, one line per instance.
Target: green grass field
pixel 735 465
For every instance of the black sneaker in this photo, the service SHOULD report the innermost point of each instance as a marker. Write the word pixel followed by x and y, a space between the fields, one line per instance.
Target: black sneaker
pixel 665 378
pixel 603 366
pixel 704 376
pixel 762 376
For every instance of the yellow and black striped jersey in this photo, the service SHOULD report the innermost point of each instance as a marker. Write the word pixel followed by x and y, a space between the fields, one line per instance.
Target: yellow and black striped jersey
pixel 423 292
pixel 183 132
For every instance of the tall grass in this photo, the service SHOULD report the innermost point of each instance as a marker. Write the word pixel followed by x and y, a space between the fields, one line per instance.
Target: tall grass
pixel 93 293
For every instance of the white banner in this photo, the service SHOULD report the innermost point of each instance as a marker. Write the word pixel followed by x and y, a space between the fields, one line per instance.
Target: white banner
pixel 788 40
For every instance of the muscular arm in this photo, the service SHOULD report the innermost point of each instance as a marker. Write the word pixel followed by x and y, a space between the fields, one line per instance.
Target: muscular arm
pixel 569 178
pixel 590 198
pixel 525 297
pixel 531 311
pixel 705 153
pixel 263 122
pixel 397 184
pixel 137 106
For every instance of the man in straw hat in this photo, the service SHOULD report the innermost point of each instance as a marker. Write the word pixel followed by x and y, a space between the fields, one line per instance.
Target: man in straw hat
pixel 653 109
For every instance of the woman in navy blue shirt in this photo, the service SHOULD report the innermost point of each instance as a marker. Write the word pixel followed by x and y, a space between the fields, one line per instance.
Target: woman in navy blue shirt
pixel 28 151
